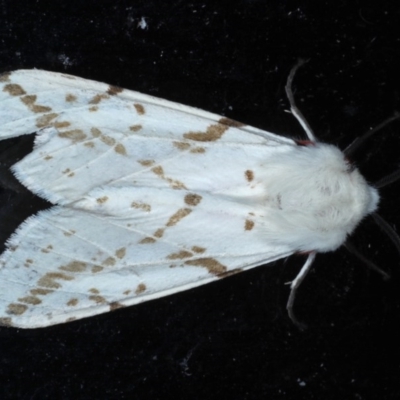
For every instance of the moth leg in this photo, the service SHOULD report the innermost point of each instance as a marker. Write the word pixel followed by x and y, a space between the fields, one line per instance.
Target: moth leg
pixel 295 285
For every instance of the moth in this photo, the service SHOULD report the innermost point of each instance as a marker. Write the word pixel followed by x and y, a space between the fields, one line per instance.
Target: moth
pixel 153 197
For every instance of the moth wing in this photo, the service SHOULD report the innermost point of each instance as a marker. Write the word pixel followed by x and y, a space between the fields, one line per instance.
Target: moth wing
pixel 91 134
pixel 133 246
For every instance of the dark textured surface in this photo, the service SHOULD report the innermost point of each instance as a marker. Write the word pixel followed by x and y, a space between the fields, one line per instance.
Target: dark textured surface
pixel 231 339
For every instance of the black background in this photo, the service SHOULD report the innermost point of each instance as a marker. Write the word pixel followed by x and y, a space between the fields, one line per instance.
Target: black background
pixel 231 339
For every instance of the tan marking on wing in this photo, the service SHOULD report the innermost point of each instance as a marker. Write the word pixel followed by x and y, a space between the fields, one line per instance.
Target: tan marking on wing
pixel 109 262
pixel 74 266
pixel 175 184
pixel 30 99
pixel 140 288
pixel 6 321
pixel 230 122
pixel 72 302
pixel 14 90
pixel 44 120
pixel 198 249
pixel 98 98
pixel 179 215
pixel 120 253
pixel 5 77
pixel 142 206
pixel 248 225
pixel 249 175
pixel 146 163
pixel 126 292
pixel 212 265
pixel 47 249
pixel 69 233
pixel 114 90
pixel 198 150
pixel 29 261
pixel 76 135
pixel 115 305
pixel 181 145
pixel 102 200
pixel 95 132
pixel 93 109
pixel 147 240
pixel 213 133
pixel 96 269
pixel 47 158
pixel 192 199
pixel 159 233
pixel 61 124
pixel 108 140
pixel 89 144
pixel 49 279
pixel 70 98
pixel 180 255
pixel 120 149
pixel 139 108
pixel 98 299
pixel 40 292
pixel 94 291
pixel 135 128
pixel 30 300
pixel 16 309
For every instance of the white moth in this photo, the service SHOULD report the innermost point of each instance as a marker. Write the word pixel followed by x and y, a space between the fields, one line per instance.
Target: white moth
pixel 153 197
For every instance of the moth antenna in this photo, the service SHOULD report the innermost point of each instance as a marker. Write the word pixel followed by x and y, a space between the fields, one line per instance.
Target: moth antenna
pixel 293 108
pixel 388 179
pixel 295 285
pixel 351 249
pixel 352 147
pixel 390 232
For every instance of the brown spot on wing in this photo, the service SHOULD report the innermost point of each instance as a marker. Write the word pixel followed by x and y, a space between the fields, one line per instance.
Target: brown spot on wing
pixel 76 135
pixel 229 273
pixel 109 262
pixel 74 266
pixel 139 108
pixel 114 90
pixel 181 145
pixel 146 163
pixel 192 199
pixel 98 299
pixel 178 216
pixel 198 249
pixel 102 200
pixel 49 280
pixel 30 100
pixel 14 90
pixel 30 300
pixel 140 288
pixel 115 305
pixel 158 170
pixel 249 175
pixel 120 149
pixel 120 253
pixel 213 133
pixel 16 309
pixel 5 77
pixel 230 122
pixel 248 225
pixel 135 128
pixel 213 266
pixel 69 98
pixel 6 321
pixel 72 302
pixel 142 206
pixel 44 120
pixel 180 255
pixel 98 98
pixel 94 291
pixel 41 292
pixel 147 240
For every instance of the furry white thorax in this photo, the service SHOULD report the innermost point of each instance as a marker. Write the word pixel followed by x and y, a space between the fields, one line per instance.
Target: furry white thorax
pixel 314 198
